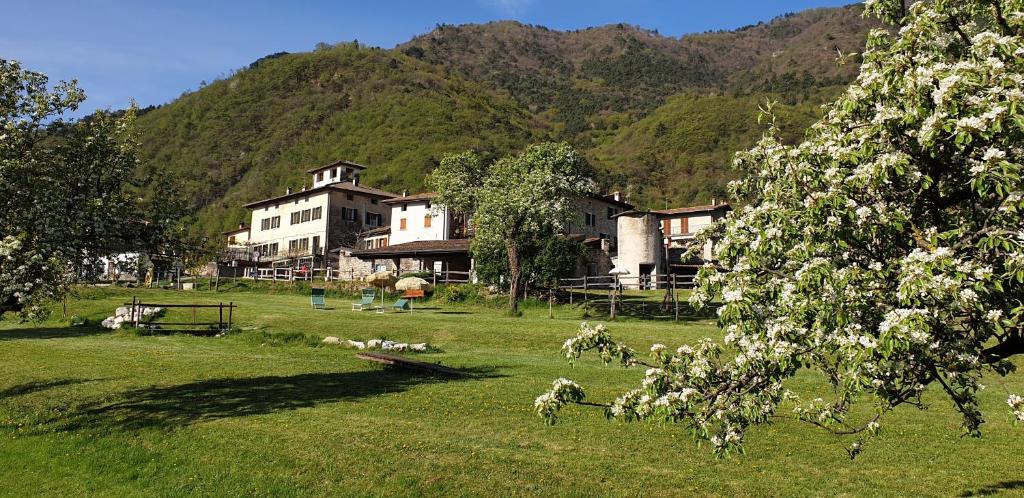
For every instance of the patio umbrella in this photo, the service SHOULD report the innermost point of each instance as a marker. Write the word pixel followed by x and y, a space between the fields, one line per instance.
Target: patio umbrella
pixel 413 283
pixel 381 279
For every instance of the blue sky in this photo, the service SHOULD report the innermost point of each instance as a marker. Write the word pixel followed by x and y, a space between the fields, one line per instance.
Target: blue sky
pixel 153 51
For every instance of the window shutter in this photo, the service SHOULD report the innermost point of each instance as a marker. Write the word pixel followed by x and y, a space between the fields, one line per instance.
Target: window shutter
pixel 686 225
pixel 666 226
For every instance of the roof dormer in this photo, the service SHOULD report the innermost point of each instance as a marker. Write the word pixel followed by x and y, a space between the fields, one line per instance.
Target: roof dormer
pixel 338 171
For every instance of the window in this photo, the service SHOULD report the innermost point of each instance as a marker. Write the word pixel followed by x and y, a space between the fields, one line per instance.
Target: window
pixel 349 214
pixel 305 215
pixel 264 250
pixel 589 219
pixel 426 221
pixel 401 224
pixel 296 216
pixel 612 212
pixel 316 245
pixel 320 176
pixel 304 244
pixel 349 197
pixel 293 245
pixel 231 240
pixel 373 201
pixel 373 219
pixel 265 224
pixel 405 207
pixel 275 222
pixel 334 172
pixel 602 236
pixel 428 204
pixel 317 212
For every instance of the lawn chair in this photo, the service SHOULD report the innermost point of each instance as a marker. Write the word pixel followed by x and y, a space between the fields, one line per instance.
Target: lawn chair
pixel 316 298
pixel 401 304
pixel 367 301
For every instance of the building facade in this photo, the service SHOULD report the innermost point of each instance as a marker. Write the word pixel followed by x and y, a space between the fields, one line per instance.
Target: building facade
pixel 297 228
pixel 679 227
pixel 423 237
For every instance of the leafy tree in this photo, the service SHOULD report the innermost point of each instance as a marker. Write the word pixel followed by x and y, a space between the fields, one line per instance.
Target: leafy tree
pixel 885 252
pixel 517 203
pixel 63 190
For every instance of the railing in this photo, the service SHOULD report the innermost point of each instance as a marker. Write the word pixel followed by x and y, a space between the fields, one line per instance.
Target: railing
pixel 636 282
pixel 350 275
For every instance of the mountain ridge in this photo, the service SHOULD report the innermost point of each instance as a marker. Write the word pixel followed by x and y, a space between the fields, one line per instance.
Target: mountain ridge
pixel 495 87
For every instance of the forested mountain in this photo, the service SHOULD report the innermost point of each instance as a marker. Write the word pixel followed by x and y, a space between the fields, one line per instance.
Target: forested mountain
pixel 658 116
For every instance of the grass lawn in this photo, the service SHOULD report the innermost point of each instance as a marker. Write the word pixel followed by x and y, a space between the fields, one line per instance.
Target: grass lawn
pixel 268 411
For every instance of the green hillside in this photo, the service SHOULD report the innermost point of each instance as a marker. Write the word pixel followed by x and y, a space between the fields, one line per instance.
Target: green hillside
pixel 249 136
pixel 658 116
pixel 679 154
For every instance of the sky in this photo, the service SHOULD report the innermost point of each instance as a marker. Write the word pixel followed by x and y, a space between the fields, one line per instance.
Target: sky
pixel 153 51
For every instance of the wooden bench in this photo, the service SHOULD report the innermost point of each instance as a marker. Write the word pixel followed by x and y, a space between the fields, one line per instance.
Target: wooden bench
pixel 401 361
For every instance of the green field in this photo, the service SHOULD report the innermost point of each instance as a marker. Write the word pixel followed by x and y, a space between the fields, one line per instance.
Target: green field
pixel 267 411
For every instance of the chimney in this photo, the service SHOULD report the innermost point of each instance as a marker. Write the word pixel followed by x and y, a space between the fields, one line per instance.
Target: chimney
pixel 241 226
pixel 617 196
pixel 355 180
pixel 287 190
pixel 405 193
pixel 303 187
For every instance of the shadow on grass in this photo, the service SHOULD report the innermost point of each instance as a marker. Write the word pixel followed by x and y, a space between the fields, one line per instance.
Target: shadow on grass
pixel 996 488
pixel 51 333
pixel 181 405
pixel 640 308
pixel 35 386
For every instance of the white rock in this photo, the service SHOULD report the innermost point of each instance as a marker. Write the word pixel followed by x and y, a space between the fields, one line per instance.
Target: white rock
pixel 394 346
pixel 419 348
pixel 355 344
pixel 373 343
pixel 122 311
pixel 331 340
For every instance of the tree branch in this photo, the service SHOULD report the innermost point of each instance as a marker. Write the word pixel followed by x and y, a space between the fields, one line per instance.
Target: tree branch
pixel 1012 346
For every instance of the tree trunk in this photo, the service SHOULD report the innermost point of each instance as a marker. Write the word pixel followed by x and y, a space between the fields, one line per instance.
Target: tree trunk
pixel 514 277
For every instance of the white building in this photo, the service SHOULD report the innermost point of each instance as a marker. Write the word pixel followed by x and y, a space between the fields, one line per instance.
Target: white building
pixel 678 226
pixel 296 228
pixel 423 236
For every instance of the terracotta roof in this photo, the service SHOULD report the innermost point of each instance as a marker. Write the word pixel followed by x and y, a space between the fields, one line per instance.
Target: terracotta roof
pixel 610 199
pixel 237 230
pixel 376 231
pixel 425 196
pixel 346 186
pixel 693 209
pixel 337 163
pixel 416 248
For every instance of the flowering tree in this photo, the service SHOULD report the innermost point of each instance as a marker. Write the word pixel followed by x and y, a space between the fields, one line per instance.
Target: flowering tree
pixel 885 252
pixel 516 203
pixel 62 189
